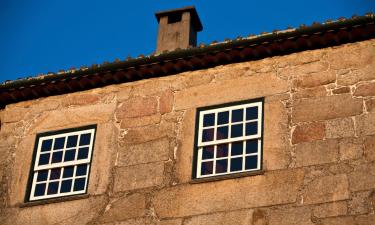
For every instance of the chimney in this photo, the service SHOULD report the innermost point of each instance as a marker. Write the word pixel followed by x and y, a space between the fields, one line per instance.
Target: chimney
pixel 177 28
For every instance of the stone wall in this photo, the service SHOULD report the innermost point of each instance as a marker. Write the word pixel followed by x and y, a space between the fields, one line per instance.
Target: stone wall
pixel 319 146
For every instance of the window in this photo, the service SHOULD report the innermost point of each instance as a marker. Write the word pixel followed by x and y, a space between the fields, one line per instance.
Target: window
pixel 229 139
pixel 62 163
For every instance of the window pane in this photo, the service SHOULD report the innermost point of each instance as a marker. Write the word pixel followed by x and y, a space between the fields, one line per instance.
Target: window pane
pixel 59 143
pixel 208 152
pixel 66 186
pixel 221 166
pixel 55 174
pixel 208 135
pixel 57 157
pixel 72 141
pixel 83 153
pixel 237 148
pixel 209 120
pixel 236 164
pixel 206 168
pixel 222 150
pixel 251 128
pixel 223 118
pixel 42 175
pixel 70 155
pixel 68 171
pixel 81 170
pixel 251 113
pixel 39 189
pixel 222 133
pixel 46 145
pixel 251 162
pixel 251 146
pixel 237 115
pixel 79 184
pixel 85 139
pixel 236 130
pixel 53 188
pixel 44 159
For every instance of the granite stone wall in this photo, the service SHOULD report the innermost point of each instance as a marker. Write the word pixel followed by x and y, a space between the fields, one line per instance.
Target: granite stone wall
pixel 319 146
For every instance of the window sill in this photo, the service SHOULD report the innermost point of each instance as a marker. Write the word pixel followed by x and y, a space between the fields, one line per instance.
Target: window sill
pixel 226 176
pixel 53 200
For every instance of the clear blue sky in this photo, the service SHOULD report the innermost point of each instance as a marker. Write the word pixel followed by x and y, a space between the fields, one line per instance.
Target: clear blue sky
pixel 40 36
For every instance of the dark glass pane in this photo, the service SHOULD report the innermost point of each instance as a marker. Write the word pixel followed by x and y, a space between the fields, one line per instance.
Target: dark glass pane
pixel 251 162
pixel 236 130
pixel 81 170
pixel 39 189
pixel 46 145
pixel 72 141
pixel 59 143
pixel 83 153
pixel 222 150
pixel 55 174
pixel 208 152
pixel 206 168
pixel 222 133
pixel 237 148
pixel 68 171
pixel 42 175
pixel 221 166
pixel 236 164
pixel 237 115
pixel 57 157
pixel 251 146
pixel 209 120
pixel 53 188
pixel 85 139
pixel 251 128
pixel 44 159
pixel 70 155
pixel 66 186
pixel 208 135
pixel 223 118
pixel 79 184
pixel 252 113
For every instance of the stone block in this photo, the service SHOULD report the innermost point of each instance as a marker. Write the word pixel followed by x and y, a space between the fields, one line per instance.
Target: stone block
pixel 317 152
pixel 365 73
pixel 308 132
pixel 140 121
pixel 360 203
pixel 363 177
pixel 370 105
pixel 370 148
pixel 137 107
pixel 350 148
pixel 338 128
pixel 170 222
pixel 331 209
pixel 345 220
pixel 290 216
pixel 341 90
pixel 228 91
pixel 196 78
pixel 152 151
pixel 139 176
pixel 244 217
pixel 80 99
pixel 234 194
pixel 130 206
pixel 166 102
pixel 315 79
pixel 325 108
pixel 365 89
pixel 366 124
pixel 365 219
pixel 312 67
pixel 310 92
pixel 326 189
pixel 148 133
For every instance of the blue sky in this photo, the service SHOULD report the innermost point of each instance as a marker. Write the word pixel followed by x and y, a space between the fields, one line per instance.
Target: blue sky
pixel 40 36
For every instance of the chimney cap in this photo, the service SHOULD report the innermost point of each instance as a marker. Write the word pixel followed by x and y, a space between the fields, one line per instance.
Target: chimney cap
pixel 196 22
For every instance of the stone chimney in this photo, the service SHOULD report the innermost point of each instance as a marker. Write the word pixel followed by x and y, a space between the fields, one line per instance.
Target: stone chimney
pixel 177 29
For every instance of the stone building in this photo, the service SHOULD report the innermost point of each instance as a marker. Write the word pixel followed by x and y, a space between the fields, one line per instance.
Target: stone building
pixel 273 129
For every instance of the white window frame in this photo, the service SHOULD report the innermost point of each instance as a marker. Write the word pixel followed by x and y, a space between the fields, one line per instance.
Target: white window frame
pixel 229 140
pixel 36 167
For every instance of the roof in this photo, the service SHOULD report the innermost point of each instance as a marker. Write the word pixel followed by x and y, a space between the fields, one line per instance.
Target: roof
pixel 284 42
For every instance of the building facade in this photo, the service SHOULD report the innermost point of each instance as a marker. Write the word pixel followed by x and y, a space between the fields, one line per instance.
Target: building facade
pixel 276 129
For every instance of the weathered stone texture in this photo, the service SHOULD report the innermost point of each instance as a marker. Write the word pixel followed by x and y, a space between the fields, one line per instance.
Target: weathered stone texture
pixel 229 218
pixel 293 216
pixel 166 102
pixel 366 124
pixel 370 148
pixel 316 79
pixel 363 177
pixel 187 200
pixel 338 128
pixel 370 105
pixel 366 89
pixel 317 152
pixel 308 132
pixel 137 107
pixel 351 148
pixel 324 108
pixel 331 209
